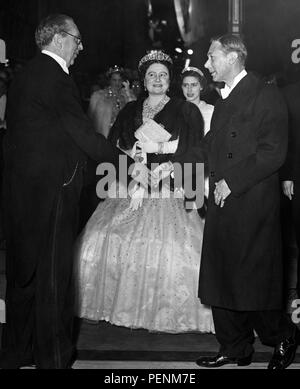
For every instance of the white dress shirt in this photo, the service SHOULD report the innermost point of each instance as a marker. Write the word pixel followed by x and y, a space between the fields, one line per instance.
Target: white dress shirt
pixel 58 59
pixel 225 92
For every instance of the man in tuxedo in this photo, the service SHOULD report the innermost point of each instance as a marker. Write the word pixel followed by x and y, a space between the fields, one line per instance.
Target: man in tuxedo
pixel 290 172
pixel 241 266
pixel 47 143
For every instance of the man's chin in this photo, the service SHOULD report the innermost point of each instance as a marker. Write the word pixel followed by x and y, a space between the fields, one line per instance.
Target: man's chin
pixel 72 61
pixel 215 78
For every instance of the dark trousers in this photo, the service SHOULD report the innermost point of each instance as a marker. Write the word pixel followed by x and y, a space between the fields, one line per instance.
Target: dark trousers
pixel 296 220
pixel 2 133
pixel 235 330
pixel 40 312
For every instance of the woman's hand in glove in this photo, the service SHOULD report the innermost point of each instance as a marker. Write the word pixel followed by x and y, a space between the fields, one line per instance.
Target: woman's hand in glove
pixel 149 146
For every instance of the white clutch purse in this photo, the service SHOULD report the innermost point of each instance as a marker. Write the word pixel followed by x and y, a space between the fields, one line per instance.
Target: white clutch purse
pixel 153 131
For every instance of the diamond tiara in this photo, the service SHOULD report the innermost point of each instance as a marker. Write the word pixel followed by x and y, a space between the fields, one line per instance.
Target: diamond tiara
pixel 191 68
pixel 155 55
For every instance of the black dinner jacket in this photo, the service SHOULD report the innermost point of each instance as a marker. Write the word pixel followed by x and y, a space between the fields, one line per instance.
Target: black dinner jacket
pixel 48 131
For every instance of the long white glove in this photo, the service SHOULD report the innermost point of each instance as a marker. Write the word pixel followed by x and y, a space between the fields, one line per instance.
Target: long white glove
pixel 159 147
pixel 141 175
pixel 137 194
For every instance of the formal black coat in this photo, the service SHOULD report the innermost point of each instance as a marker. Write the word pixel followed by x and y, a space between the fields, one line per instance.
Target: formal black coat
pixel 48 138
pixel 47 142
pixel 291 167
pixel 241 256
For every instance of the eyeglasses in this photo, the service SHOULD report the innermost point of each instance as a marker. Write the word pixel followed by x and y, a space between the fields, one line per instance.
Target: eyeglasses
pixel 78 38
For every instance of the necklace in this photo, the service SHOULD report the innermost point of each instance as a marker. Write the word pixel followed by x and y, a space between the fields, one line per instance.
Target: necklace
pixel 149 112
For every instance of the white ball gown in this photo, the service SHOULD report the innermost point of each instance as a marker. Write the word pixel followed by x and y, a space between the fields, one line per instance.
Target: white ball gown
pixel 140 268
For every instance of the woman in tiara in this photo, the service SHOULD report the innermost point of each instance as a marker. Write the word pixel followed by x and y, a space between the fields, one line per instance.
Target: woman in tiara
pixel 137 260
pixel 193 82
pixel 106 103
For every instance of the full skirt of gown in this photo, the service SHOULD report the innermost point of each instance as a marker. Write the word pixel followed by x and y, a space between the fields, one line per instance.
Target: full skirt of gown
pixel 140 268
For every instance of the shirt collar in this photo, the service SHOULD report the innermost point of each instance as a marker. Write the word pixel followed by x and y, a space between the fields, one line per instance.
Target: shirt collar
pixel 225 92
pixel 58 59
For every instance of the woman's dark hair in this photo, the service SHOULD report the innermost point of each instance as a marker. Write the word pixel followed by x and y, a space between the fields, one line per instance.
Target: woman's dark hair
pixel 193 73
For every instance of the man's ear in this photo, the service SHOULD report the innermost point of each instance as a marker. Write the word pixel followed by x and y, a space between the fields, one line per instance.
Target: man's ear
pixel 232 57
pixel 57 40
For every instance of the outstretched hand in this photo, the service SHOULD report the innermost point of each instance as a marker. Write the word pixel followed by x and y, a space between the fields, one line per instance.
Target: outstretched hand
pixel 141 174
pixel 160 173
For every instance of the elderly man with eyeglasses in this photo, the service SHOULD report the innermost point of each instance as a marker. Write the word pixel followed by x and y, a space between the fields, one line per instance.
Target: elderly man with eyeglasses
pixel 47 143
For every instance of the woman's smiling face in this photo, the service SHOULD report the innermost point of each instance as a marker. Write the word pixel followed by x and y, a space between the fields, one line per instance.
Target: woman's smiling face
pixel 157 79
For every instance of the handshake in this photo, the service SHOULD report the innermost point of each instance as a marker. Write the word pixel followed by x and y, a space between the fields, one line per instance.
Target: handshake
pixel 151 178
pixel 145 178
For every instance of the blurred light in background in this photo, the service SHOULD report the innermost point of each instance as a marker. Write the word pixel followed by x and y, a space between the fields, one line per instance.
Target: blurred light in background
pixel 178 50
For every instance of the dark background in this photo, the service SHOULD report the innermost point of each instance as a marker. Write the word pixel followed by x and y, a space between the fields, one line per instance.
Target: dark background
pixel 116 31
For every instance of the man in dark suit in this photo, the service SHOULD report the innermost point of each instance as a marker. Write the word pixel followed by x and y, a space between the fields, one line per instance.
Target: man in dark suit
pixel 47 143
pixel 241 269
pixel 290 172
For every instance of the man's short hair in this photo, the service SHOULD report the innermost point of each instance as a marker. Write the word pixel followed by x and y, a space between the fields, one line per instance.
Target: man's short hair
pixel 232 43
pixel 49 26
